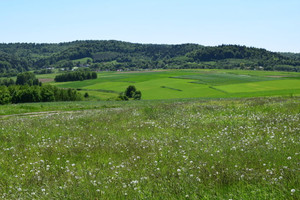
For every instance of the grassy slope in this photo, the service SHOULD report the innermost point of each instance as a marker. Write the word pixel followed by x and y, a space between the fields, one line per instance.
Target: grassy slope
pixel 195 149
pixel 261 86
pixel 82 60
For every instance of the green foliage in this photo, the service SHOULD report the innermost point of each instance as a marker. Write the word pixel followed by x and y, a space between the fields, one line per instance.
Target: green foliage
pixel 5 96
pixel 76 76
pixel 86 95
pixel 47 94
pixel 26 94
pixel 43 71
pixel 117 55
pixel 10 63
pixel 7 82
pixel 130 93
pixel 27 78
pixel 137 95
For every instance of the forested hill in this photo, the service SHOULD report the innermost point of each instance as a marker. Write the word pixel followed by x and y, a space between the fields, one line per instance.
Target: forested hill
pixel 291 55
pixel 114 55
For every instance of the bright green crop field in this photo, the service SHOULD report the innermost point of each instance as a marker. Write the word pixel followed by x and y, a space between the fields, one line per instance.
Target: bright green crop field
pixel 173 84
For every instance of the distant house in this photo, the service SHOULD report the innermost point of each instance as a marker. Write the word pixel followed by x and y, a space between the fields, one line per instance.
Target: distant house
pixel 74 68
pixel 84 65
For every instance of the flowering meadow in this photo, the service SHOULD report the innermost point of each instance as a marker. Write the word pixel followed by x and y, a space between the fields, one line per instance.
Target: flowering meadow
pixel 197 149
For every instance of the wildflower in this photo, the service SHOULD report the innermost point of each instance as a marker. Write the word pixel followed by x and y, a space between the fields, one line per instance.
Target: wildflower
pixel 289 158
pixel 134 182
pixel 293 190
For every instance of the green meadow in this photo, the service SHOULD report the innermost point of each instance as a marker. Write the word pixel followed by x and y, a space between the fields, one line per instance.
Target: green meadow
pixel 174 84
pixel 196 134
pixel 245 148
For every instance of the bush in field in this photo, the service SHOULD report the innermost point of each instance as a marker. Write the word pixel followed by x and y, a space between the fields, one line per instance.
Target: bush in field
pixel 130 93
pixel 130 90
pixel 137 95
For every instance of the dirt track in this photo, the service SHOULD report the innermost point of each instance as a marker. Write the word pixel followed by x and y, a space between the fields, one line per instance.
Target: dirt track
pixel 34 114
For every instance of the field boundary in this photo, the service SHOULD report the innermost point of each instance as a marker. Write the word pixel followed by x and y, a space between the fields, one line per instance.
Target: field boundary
pixel 171 88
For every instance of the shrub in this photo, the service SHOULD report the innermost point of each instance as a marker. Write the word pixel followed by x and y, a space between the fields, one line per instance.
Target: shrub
pixel 130 93
pixel 5 96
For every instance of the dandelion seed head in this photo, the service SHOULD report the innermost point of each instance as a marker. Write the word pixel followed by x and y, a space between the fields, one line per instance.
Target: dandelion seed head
pixel 293 190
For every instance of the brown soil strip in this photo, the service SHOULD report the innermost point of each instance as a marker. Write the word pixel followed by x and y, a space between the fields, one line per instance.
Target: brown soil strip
pixel 46 80
pixel 133 72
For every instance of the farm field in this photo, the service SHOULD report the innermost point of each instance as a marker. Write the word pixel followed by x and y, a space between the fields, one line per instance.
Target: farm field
pixel 172 84
pixel 244 148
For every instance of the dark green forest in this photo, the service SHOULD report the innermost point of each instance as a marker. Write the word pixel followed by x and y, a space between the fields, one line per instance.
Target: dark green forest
pixel 75 76
pixel 117 55
pixel 27 88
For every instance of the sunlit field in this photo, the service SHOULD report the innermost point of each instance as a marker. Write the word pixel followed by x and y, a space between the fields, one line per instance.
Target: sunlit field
pixel 174 84
pixel 184 149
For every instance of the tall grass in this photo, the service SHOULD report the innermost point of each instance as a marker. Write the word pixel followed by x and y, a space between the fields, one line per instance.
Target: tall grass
pixel 226 149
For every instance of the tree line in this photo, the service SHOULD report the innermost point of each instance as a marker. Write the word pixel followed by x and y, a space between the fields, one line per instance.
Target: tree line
pixel 75 76
pixel 27 88
pixel 26 94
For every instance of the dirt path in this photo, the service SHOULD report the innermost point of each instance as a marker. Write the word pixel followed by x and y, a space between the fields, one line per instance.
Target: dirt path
pixel 35 114
pixel 134 72
pixel 46 80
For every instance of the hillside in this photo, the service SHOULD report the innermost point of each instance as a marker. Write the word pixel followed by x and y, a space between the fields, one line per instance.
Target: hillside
pixel 114 55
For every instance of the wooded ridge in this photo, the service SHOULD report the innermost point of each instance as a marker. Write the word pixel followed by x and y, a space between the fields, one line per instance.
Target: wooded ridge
pixel 118 55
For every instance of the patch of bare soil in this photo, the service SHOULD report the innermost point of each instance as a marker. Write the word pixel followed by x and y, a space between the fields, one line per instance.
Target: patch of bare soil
pixel 46 80
pixel 37 114
pixel 276 76
pixel 131 72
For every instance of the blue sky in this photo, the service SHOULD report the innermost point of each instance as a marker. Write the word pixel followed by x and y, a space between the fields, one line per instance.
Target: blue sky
pixel 269 24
